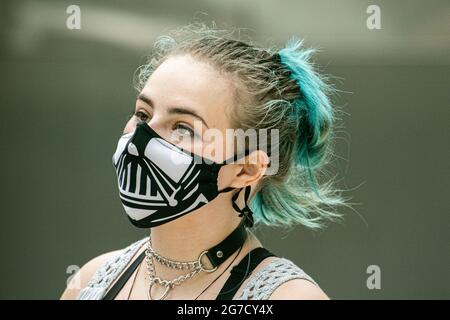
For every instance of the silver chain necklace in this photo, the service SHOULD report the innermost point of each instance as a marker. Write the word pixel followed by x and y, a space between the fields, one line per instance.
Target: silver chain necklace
pixel 194 267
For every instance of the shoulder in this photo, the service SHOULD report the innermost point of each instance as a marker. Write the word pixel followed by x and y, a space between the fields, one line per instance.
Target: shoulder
pixel 295 283
pixel 81 278
pixel 280 278
pixel 100 271
pixel 298 289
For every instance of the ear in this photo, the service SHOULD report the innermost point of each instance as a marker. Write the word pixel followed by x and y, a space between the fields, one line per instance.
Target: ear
pixel 249 170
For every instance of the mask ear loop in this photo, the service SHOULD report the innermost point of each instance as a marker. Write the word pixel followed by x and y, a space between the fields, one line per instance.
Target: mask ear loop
pixel 245 212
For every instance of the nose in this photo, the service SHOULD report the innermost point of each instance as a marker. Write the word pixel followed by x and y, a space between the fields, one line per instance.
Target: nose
pixel 162 125
pixel 154 123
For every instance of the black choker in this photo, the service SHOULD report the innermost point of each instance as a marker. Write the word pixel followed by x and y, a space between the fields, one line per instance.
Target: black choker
pixel 221 252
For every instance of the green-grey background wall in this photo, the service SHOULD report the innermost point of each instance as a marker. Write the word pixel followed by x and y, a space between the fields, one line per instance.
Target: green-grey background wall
pixel 65 95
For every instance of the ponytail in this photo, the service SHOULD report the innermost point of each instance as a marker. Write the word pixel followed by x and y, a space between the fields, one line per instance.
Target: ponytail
pixel 294 201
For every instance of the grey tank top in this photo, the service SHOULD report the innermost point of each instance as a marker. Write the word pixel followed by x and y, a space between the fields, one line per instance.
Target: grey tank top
pixel 259 286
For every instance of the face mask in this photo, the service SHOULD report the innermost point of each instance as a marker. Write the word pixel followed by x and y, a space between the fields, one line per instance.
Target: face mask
pixel 159 182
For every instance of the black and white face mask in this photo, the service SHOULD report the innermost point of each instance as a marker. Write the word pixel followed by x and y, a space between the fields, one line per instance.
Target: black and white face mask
pixel 159 182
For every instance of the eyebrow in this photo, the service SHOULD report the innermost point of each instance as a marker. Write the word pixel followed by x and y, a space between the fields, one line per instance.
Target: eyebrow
pixel 174 110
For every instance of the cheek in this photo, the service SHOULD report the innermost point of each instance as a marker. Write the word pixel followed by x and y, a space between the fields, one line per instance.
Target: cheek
pixel 218 144
pixel 214 150
pixel 230 147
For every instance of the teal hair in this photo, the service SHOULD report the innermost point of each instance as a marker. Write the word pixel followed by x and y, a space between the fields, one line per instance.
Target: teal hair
pixel 312 106
pixel 295 202
pixel 313 103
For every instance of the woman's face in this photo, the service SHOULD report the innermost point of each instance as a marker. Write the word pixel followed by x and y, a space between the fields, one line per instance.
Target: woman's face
pixel 184 101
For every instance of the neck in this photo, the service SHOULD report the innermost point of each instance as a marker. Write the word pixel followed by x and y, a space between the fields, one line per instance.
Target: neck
pixel 184 239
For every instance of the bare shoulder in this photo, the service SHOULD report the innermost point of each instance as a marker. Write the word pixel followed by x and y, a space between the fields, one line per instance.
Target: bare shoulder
pixel 82 277
pixel 298 289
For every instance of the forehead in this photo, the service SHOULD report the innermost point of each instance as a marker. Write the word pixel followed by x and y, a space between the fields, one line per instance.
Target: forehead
pixel 186 81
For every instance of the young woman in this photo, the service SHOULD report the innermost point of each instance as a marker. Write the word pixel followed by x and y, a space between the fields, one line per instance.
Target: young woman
pixel 175 179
